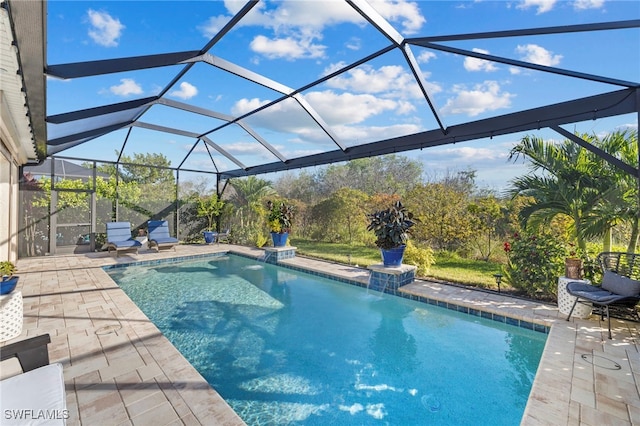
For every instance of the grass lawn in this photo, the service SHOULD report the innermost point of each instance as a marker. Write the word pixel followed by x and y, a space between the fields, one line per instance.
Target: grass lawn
pixel 447 267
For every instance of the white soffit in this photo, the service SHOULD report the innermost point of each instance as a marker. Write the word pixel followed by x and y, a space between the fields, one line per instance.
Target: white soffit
pixel 15 113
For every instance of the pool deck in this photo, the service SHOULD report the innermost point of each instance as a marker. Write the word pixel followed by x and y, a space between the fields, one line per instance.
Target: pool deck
pixel 120 370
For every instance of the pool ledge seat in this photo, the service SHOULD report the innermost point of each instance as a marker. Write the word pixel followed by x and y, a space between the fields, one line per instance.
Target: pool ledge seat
pixel 37 396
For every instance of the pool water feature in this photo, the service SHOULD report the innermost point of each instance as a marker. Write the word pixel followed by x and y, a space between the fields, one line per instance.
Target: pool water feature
pixel 287 347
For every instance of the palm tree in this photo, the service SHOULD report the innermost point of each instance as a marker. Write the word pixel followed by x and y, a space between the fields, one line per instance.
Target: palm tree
pixel 248 197
pixel 565 184
pixel 594 194
pixel 620 198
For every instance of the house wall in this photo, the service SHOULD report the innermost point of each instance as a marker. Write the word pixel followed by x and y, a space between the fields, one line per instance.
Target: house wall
pixel 8 203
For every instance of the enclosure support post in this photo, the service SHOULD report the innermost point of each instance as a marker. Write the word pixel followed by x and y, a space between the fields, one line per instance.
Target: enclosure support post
pixel 176 221
pixel 93 212
pixel 219 195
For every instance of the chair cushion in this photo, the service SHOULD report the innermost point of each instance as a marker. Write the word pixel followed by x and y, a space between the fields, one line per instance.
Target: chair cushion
pixel 37 395
pixel 126 243
pixel 166 240
pixel 619 284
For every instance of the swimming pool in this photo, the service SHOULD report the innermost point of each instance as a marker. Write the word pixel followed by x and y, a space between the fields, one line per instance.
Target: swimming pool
pixel 286 347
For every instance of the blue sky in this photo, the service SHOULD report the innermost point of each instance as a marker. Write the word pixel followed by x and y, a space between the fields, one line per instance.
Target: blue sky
pixel 296 42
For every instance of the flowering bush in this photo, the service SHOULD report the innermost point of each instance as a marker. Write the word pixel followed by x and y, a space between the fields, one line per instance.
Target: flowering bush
pixel 534 263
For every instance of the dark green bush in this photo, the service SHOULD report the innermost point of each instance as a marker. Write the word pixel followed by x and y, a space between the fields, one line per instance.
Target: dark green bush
pixel 534 263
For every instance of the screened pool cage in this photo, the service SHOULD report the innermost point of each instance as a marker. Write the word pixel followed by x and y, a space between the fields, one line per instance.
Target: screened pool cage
pixel 65 205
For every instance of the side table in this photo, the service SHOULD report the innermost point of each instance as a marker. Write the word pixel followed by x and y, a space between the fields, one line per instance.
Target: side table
pixel 10 315
pixel 565 300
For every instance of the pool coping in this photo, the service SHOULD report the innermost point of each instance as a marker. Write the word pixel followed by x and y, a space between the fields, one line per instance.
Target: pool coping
pixel 72 298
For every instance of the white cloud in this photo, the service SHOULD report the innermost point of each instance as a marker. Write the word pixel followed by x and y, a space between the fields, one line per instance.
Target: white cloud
pixel 538 55
pixel 287 48
pixel 348 108
pixel 475 64
pixel 354 43
pixel 105 30
pixel 483 97
pixel 244 106
pixel 468 154
pixel 514 70
pixel 588 4
pixel 214 24
pixel 333 67
pixel 344 113
pixel 542 6
pixel 336 109
pixel 425 57
pixel 405 12
pixel 297 25
pixel 126 87
pixel 389 81
pixel 186 91
pixel 356 135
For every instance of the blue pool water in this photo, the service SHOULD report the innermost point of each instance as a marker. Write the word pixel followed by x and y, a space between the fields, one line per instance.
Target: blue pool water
pixel 287 347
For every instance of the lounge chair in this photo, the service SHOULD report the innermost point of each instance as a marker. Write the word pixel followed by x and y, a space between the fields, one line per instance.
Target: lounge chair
pixel 39 389
pixel 220 236
pixel 159 237
pixel 119 238
pixel 619 289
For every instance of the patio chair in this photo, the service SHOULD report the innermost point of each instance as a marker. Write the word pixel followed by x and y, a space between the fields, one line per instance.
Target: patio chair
pixel 119 238
pixel 38 389
pixel 159 235
pixel 620 287
pixel 220 236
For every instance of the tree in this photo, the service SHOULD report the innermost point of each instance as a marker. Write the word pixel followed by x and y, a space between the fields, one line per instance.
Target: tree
pixel 303 187
pixel 210 207
pixel 391 174
pixel 565 184
pixel 249 199
pixel 147 168
pixel 575 182
pixel 341 217
pixel 486 214
pixel 445 222
pixel 620 197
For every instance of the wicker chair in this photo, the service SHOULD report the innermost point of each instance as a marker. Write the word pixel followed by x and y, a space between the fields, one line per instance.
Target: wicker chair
pixel 620 286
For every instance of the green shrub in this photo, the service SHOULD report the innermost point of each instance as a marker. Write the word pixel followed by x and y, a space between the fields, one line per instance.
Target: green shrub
pixel 534 263
pixel 423 258
pixel 260 240
pixel 7 268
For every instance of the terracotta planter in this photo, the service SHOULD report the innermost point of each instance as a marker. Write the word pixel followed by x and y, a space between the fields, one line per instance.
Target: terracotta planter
pixel 573 268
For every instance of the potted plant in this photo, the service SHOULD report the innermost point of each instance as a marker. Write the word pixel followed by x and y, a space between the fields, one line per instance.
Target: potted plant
pixel 391 228
pixel 209 207
pixel 9 281
pixel 279 219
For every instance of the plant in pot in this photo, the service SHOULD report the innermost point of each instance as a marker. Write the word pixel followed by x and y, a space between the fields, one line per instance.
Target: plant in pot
pixel 209 207
pixel 9 281
pixel 391 227
pixel 573 267
pixel 279 220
